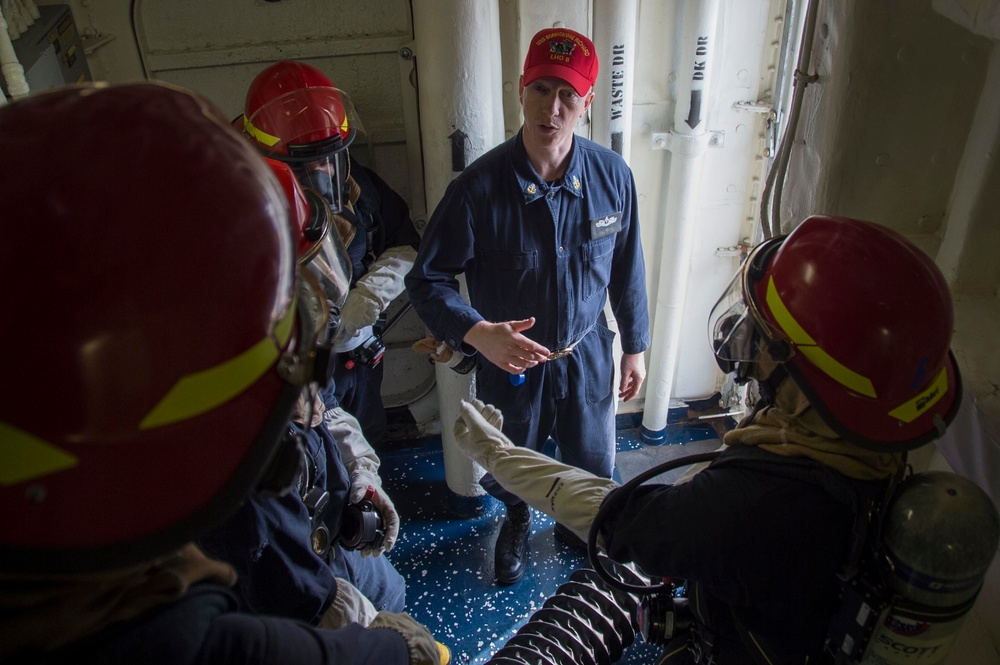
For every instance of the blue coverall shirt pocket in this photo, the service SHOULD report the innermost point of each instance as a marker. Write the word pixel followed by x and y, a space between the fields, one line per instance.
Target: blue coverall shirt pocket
pixel 511 281
pixel 597 260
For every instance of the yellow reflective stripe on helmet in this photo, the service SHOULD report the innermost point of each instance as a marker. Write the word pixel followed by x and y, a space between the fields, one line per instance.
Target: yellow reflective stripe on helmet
pixel 260 135
pixel 808 347
pixel 26 456
pixel 911 410
pixel 202 391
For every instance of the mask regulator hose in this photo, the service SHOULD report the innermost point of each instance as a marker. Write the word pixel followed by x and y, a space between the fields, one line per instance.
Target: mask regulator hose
pixel 585 622
pixel 614 499
pixel 593 617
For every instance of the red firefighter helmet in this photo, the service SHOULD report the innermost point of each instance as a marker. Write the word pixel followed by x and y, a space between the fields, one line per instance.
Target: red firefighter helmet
pixel 861 319
pixel 144 348
pixel 294 114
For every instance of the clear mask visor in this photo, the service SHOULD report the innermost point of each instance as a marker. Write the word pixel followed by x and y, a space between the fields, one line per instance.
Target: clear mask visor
pixel 327 265
pixel 328 176
pixel 731 327
pixel 332 269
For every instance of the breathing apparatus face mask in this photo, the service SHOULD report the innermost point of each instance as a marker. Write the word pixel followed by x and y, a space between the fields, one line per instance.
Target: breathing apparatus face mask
pixel 733 332
pixel 331 270
pixel 328 176
pixel 736 330
pixel 326 263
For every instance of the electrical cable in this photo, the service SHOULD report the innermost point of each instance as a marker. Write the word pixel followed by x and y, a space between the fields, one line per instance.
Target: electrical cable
pixel 770 204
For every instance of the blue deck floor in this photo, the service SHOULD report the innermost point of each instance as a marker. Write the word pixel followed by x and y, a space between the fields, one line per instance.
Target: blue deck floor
pixel 445 549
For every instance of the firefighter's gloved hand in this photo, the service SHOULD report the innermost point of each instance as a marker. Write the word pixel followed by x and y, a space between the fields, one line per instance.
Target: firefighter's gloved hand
pixel 429 346
pixel 438 351
pixel 188 566
pixel 312 408
pixel 569 495
pixel 363 480
pixel 360 310
pixel 423 648
pixel 445 355
pixel 477 432
pixel 348 606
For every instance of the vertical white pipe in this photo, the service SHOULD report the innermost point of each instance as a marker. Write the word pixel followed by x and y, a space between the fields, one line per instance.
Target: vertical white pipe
pixel 459 91
pixel 614 37
pixel 688 141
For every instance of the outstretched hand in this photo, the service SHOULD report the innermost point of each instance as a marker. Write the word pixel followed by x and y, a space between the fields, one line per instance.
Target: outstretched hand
pixel 504 345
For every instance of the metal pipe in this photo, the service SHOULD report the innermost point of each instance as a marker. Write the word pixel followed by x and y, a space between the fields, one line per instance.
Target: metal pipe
pixel 687 142
pixel 770 215
pixel 615 39
pixel 459 96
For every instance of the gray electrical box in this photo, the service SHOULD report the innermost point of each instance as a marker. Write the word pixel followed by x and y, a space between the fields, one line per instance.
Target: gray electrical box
pixel 51 51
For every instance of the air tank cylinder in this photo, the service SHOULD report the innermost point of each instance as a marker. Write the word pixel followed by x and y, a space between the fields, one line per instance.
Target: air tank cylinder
pixel 940 535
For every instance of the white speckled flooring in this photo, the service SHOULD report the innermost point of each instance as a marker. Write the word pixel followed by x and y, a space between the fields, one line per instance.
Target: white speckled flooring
pixel 445 550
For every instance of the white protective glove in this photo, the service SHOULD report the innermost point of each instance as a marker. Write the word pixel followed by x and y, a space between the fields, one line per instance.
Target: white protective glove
pixel 363 480
pixel 360 310
pixel 477 432
pixel 362 465
pixel 349 606
pixel 569 495
pixel 379 286
pixel 423 648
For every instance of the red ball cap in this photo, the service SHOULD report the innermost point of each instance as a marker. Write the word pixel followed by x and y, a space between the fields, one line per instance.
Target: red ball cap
pixel 563 54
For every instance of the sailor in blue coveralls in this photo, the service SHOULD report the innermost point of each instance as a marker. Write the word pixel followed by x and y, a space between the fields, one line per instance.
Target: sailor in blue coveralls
pixel 543 226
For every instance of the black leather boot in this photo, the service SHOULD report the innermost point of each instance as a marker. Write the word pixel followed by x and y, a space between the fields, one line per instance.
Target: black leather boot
pixel 511 552
pixel 568 538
